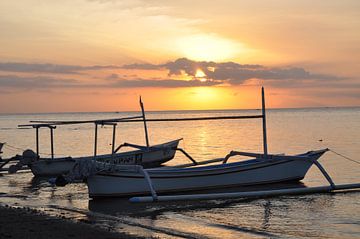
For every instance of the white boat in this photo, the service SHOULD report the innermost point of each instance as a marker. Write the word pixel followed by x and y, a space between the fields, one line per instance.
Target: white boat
pixel 261 170
pixel 152 156
pixel 120 181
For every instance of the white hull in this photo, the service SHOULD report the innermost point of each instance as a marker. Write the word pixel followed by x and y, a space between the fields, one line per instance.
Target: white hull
pixel 154 157
pixel 251 172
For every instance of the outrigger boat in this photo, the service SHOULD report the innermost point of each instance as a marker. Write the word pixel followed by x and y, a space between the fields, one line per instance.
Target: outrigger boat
pixel 146 156
pixel 272 169
pixel 127 181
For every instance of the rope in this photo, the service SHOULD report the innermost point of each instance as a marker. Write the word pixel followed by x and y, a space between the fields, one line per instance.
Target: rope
pixel 16 149
pixel 345 157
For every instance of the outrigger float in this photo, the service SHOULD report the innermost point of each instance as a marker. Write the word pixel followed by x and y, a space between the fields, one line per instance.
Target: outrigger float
pixel 263 169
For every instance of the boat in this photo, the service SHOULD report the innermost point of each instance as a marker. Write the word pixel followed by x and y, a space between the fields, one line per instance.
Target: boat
pixel 115 180
pixel 148 157
pixel 261 170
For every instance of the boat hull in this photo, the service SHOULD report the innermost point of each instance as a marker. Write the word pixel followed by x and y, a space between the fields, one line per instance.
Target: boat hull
pixel 50 167
pixel 251 172
pixel 154 157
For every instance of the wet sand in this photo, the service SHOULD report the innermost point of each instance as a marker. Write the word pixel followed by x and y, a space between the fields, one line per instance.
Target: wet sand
pixel 28 223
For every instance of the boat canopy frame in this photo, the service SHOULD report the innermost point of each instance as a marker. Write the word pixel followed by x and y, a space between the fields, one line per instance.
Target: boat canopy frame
pixel 37 124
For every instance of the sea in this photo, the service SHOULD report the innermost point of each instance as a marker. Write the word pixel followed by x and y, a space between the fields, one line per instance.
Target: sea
pixel 289 131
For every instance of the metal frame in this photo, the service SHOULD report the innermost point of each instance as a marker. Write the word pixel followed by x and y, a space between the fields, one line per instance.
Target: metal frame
pixel 51 127
pixel 113 136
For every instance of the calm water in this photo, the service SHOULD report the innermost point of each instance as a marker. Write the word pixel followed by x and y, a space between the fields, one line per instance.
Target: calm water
pixel 289 131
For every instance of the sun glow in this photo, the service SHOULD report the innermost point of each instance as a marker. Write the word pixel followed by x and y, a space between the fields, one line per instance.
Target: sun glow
pixel 200 75
pixel 208 47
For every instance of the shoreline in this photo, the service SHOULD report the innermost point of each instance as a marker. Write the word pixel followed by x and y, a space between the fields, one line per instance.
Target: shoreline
pixel 29 223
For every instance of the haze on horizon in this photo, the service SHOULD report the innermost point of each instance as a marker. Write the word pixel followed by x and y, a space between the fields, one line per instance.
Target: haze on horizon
pixel 100 55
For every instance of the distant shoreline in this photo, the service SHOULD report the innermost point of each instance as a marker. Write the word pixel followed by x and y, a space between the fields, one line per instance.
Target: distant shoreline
pixel 187 111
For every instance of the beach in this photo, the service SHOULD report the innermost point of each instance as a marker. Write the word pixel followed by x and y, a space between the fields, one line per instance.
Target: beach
pixel 29 223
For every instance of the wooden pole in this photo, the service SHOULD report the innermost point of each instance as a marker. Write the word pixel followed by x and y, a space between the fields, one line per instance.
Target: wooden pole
pixel 264 122
pixel 113 139
pixel 52 142
pixel 37 141
pixel 250 194
pixel 144 119
pixel 95 142
pixel 135 119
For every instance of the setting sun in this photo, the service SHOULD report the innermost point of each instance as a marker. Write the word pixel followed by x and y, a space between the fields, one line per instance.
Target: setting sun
pixel 200 75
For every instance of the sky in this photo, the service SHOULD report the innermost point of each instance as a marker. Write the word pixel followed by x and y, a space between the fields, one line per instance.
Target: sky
pixel 101 55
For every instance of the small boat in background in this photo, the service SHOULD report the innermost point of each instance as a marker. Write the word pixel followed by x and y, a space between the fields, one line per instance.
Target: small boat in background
pixel 147 157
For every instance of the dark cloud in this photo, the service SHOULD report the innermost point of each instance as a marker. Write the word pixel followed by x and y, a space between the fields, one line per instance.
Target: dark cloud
pixel 40 82
pixel 217 73
pixel 113 77
pixel 49 68
pixel 37 82
pixel 234 73
pixel 144 66
pixel 169 83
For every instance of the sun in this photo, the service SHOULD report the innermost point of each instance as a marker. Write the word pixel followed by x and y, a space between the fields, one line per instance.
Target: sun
pixel 208 47
pixel 200 75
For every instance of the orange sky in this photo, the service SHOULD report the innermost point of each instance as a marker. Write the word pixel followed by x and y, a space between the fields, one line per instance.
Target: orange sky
pixel 100 55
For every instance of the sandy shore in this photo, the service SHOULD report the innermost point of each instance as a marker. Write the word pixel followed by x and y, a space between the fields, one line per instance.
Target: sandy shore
pixel 27 223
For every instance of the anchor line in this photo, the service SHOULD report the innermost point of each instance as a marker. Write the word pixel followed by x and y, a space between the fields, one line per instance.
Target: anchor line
pixel 345 157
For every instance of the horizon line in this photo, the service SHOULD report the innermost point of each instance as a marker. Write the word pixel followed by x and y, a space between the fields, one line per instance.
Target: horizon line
pixel 182 110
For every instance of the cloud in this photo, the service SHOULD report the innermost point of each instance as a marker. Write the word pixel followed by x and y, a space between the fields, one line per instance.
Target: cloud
pixel 167 83
pixel 49 68
pixel 40 82
pixel 145 66
pixel 217 73
pixel 113 77
pixel 234 73
pixel 36 82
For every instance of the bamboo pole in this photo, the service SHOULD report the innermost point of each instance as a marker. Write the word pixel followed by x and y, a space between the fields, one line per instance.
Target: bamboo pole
pixel 253 194
pixel 144 119
pixel 55 122
pixel 264 122
pixel 134 120
pixel 37 142
pixel 95 142
pixel 52 142
pixel 113 140
pixel 198 118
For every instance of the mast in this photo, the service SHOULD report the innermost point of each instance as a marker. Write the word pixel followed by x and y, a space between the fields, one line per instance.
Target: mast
pixel 144 119
pixel 264 122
